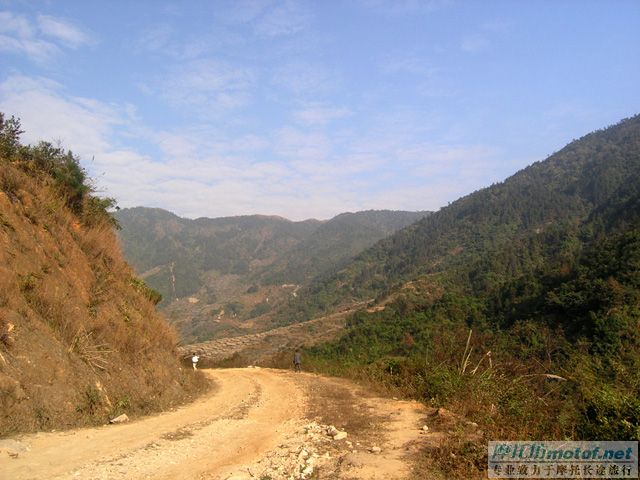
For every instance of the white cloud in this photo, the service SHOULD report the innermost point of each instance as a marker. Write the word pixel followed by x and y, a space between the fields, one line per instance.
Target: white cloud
pixel 474 43
pixel 285 18
pixel 39 39
pixel 297 144
pixel 37 50
pixel 294 172
pixel 80 124
pixel 63 30
pixel 18 36
pixel 210 87
pixel 316 114
pixel 16 25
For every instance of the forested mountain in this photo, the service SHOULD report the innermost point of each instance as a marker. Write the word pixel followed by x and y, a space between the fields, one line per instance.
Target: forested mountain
pixel 518 300
pixel 236 268
pixel 163 247
pixel 335 242
pixel 543 213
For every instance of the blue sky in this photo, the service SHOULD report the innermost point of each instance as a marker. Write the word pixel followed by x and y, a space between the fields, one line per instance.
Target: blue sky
pixel 309 109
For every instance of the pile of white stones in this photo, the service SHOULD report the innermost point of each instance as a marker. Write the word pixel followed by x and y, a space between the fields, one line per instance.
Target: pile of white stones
pixel 298 459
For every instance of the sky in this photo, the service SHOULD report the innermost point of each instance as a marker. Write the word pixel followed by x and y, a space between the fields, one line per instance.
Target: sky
pixel 306 109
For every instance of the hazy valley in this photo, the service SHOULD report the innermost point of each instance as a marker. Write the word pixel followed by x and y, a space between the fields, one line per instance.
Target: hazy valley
pixel 227 276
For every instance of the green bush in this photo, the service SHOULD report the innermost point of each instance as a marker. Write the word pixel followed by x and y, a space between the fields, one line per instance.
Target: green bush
pixel 149 293
pixel 61 165
pixel 611 415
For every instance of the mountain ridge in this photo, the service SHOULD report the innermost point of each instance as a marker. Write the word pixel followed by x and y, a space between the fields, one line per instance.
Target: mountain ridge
pixel 540 199
pixel 232 270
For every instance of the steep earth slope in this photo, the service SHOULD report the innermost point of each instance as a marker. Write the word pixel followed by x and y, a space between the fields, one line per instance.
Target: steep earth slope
pixel 79 335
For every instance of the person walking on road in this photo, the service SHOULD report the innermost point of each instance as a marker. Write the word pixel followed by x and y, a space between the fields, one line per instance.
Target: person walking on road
pixel 194 361
pixel 297 360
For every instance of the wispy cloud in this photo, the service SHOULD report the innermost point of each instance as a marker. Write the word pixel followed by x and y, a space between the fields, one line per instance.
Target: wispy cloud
pixel 79 123
pixel 299 144
pixel 291 171
pixel 155 38
pixel 318 114
pixel 285 18
pixel 208 86
pixel 18 36
pixel 268 18
pixel 63 31
pixel 41 38
pixel 474 43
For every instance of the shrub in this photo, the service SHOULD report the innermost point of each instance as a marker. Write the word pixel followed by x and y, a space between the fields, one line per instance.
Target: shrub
pixel 147 292
pixel 90 401
pixel 9 136
pixel 611 415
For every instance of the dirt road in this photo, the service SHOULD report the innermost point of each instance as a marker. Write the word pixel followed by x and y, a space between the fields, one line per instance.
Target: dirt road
pixel 256 424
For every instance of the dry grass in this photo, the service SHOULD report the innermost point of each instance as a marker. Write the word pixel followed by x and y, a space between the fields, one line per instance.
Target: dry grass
pixel 77 324
pixel 10 182
pixel 336 404
pixel 94 354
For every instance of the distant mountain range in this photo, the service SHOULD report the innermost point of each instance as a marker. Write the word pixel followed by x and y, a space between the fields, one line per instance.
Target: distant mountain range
pixel 228 275
pixel 214 274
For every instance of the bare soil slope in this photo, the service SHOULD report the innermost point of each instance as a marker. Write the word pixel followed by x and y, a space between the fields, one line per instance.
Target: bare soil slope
pixel 79 339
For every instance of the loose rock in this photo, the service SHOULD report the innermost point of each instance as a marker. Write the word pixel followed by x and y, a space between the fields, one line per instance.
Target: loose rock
pixel 120 419
pixel 340 436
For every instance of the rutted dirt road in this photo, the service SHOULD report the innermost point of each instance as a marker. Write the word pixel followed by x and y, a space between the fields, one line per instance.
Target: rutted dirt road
pixel 255 424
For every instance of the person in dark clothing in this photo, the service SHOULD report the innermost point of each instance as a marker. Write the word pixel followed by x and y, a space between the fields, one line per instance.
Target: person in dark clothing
pixel 297 360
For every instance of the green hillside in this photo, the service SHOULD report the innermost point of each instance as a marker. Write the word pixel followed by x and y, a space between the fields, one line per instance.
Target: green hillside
pixel 517 306
pixel 186 249
pixel 215 273
pixel 336 242
pixel 543 213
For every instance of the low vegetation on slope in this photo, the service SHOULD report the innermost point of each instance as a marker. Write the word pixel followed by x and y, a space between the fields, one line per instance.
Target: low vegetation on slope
pixel 79 336
pixel 523 309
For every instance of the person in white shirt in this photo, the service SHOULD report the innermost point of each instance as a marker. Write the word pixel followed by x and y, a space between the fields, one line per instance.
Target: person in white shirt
pixel 194 361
